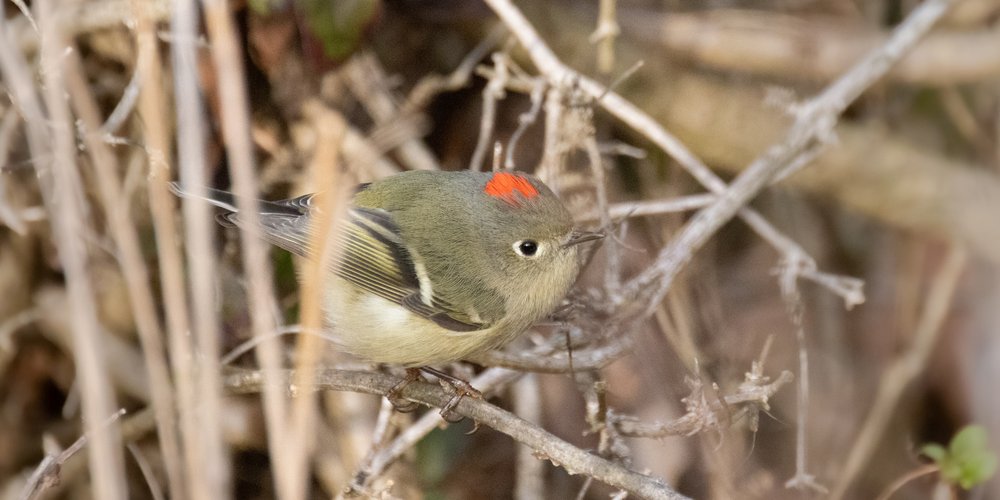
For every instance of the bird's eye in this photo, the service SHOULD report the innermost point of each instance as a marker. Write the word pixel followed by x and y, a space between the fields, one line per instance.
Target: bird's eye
pixel 526 248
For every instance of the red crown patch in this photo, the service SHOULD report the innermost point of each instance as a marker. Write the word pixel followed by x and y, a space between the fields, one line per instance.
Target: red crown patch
pixel 506 186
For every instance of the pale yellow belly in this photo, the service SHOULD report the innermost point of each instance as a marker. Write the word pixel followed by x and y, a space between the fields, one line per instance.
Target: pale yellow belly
pixel 383 332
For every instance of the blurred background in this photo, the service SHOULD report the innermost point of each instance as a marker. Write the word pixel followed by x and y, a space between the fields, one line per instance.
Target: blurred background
pixel 906 198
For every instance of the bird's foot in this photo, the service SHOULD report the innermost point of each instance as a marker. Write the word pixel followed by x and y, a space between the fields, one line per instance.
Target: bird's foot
pixel 395 396
pixel 461 389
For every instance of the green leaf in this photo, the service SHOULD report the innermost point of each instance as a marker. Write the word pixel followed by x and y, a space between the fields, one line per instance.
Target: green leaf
pixel 978 471
pixel 967 461
pixel 969 441
pixel 935 452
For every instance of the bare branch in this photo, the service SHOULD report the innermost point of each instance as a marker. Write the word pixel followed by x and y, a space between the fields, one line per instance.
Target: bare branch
pixel 207 461
pixel 704 413
pixel 901 373
pixel 46 474
pixel 493 92
pixel 567 456
pixel 559 74
pixel 771 44
pixel 812 128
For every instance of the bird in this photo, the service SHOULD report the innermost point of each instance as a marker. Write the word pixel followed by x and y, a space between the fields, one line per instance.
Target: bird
pixel 433 266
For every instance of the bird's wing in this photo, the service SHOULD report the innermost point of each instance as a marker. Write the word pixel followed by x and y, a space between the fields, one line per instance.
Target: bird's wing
pixel 373 256
pixel 284 223
pixel 375 259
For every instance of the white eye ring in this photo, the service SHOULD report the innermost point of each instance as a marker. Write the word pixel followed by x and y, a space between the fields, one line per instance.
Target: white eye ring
pixel 527 248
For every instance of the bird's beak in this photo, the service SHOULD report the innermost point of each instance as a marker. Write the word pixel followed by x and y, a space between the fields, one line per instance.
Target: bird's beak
pixel 578 236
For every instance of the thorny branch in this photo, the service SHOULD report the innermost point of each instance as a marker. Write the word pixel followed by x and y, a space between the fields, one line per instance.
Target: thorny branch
pixel 811 132
pixel 559 75
pixel 565 455
pixel 817 122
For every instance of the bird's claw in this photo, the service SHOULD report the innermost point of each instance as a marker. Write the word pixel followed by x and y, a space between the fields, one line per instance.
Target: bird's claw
pixel 461 389
pixel 395 397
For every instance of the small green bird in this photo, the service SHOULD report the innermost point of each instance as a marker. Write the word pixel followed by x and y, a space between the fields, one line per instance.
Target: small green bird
pixel 436 266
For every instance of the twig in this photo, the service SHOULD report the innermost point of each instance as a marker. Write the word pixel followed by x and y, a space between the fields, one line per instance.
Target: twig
pixel 493 92
pixel 605 34
pixel 788 282
pixel 365 160
pixel 130 97
pixel 560 362
pixel 8 215
pixel 380 435
pixel 46 474
pixel 116 208
pixel 902 372
pixel 65 203
pixel 206 458
pixel 559 74
pixel 325 172
pixel 612 269
pixel 554 152
pixel 14 323
pixel 288 456
pixel 813 128
pixel 249 344
pixel 909 476
pixel 770 44
pixel 652 207
pixel 152 111
pixel 367 81
pixel 525 120
pixel 432 85
pixel 598 417
pixel 376 464
pixel 76 18
pixel 567 456
pixel 147 471
pixel 529 482
pixel 704 414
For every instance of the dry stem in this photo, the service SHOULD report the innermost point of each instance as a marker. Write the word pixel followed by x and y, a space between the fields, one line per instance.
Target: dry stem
pixel 561 453
pixel 902 372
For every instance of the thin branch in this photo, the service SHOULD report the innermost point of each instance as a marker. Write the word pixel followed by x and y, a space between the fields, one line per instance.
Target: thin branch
pixel 125 106
pixel 9 216
pixel 612 269
pixel 206 458
pixel 155 490
pixel 909 476
pixel 605 34
pixel 652 207
pixel 46 475
pixel 788 282
pixel 771 44
pixel 567 456
pixel 813 128
pixel 591 358
pixel 325 170
pixel 432 85
pixel 65 202
pixel 133 264
pixel 559 74
pixel 368 82
pixel 704 413
pixel 529 482
pixel 288 457
pixel 375 465
pixel 493 92
pixel 525 120
pixel 904 370
pixel 153 113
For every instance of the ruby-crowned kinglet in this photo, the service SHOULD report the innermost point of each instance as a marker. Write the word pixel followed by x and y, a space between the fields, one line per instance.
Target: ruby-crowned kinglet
pixel 437 266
